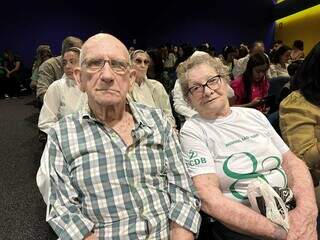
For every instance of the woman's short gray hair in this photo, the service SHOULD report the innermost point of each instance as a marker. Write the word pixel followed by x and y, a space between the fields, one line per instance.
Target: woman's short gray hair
pixel 193 61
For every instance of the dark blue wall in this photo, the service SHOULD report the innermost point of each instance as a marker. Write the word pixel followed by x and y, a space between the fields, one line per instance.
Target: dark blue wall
pixel 27 24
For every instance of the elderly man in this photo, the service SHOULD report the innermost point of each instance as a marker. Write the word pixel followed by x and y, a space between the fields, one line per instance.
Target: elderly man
pixel 116 170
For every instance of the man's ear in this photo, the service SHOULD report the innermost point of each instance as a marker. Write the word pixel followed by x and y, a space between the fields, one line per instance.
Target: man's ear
pixel 77 77
pixel 132 78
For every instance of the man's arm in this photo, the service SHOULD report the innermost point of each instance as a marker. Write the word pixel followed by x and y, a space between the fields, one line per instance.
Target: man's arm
pixel 50 109
pixel 48 73
pixel 234 215
pixel 302 219
pixel 65 216
pixel 185 205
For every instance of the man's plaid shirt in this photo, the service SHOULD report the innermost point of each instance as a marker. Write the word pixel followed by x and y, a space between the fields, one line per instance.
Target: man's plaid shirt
pixel 100 184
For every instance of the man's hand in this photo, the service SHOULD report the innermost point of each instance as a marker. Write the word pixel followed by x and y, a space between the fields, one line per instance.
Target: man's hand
pixel 302 225
pixel 90 236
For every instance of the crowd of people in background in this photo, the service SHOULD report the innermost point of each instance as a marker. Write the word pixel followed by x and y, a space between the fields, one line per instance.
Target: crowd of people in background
pixel 263 102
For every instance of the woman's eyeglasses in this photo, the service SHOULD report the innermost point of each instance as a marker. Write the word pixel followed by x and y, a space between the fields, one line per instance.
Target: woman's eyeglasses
pixel 212 83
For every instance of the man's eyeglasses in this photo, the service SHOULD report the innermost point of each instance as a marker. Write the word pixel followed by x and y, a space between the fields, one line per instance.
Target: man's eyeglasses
pixel 212 83
pixel 95 65
pixel 140 61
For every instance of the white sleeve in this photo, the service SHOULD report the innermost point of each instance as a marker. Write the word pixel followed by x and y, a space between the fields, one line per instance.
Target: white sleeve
pixel 50 108
pixel 179 104
pixel 276 139
pixel 198 157
pixel 43 178
pixel 239 66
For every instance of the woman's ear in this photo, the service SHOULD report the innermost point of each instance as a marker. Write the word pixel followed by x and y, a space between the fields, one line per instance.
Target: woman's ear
pixel 132 76
pixel 77 77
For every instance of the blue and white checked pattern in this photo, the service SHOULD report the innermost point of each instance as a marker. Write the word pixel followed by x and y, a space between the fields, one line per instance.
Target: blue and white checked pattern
pixel 120 192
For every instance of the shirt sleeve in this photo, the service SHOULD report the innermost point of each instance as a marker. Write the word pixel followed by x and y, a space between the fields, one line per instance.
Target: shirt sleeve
pixel 50 108
pixel 46 77
pixel 196 153
pixel 179 104
pixel 165 104
pixel 65 216
pixel 237 87
pixel 275 138
pixel 298 127
pixel 185 204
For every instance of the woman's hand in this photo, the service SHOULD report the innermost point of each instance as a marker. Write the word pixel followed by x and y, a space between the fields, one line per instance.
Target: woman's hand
pixel 256 102
pixel 302 225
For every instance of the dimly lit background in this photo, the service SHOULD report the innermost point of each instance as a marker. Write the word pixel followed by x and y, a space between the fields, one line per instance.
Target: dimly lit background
pixel 26 24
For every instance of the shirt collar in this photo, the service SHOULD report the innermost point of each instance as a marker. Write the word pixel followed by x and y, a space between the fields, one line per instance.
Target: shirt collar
pixel 86 113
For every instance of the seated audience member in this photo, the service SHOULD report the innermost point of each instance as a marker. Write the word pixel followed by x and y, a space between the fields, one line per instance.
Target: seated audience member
pixel 252 86
pixel 148 91
pixel 297 51
pixel 3 83
pixel 243 51
pixel 279 63
pixel 63 96
pixel 116 171
pixel 240 65
pixel 43 54
pixel 276 45
pixel 52 69
pixel 300 114
pixel 229 55
pixel 12 66
pixel 227 147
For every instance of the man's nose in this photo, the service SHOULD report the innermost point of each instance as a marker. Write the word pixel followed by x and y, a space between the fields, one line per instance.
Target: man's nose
pixel 106 73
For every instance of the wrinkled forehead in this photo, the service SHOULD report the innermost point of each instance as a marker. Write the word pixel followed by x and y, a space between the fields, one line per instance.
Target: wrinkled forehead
pixel 104 48
pixel 200 73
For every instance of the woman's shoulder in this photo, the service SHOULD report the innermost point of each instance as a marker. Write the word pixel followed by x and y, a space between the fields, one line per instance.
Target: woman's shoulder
pixel 296 100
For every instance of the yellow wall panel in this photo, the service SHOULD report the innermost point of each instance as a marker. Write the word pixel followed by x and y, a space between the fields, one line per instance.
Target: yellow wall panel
pixel 304 25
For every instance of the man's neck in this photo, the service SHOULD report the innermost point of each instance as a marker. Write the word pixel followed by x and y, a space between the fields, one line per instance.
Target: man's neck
pixel 110 115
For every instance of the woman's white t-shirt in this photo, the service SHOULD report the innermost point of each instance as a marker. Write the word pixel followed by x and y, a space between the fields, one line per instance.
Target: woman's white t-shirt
pixel 238 148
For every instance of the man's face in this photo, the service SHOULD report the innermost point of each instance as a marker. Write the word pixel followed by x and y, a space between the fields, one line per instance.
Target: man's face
pixel 106 86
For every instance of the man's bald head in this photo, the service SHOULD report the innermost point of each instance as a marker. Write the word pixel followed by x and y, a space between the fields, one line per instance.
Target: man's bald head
pixel 103 40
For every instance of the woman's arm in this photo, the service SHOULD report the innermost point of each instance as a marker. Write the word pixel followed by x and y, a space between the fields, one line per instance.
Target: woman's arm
pixel 234 215
pixel 303 219
pixel 16 68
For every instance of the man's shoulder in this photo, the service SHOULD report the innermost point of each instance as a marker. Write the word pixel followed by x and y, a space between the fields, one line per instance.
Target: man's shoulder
pixel 54 62
pixel 149 115
pixel 68 123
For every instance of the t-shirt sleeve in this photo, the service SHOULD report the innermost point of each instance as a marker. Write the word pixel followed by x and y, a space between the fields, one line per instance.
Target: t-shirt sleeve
pixel 197 156
pixel 276 139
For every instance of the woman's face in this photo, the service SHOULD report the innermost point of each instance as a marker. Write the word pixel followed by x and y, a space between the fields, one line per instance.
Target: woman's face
pixel 70 61
pixel 140 64
pixel 207 91
pixel 285 57
pixel 259 72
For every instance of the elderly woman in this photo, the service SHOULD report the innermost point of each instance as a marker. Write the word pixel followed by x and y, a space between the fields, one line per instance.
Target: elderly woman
pixel 63 96
pixel 148 91
pixel 228 147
